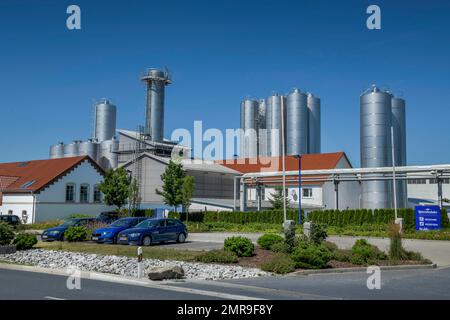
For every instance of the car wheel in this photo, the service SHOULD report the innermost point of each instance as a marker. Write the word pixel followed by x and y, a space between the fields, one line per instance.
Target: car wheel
pixel 114 240
pixel 147 241
pixel 181 238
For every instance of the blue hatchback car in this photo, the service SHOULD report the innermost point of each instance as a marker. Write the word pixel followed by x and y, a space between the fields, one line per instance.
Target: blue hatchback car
pixel 57 233
pixel 153 231
pixel 109 234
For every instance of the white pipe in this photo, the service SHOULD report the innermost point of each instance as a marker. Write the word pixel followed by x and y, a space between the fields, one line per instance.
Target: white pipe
pixel 283 159
pixel 393 173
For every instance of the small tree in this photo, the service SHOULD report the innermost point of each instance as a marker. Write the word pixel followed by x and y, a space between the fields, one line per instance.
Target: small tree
pixel 277 198
pixel 115 187
pixel 172 179
pixel 187 192
pixel 134 197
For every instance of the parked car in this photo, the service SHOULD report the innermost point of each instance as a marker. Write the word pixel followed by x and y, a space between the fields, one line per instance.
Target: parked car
pixel 153 231
pixel 108 216
pixel 10 219
pixel 109 234
pixel 57 233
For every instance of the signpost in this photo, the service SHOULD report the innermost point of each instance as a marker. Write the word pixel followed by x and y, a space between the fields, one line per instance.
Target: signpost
pixel 428 217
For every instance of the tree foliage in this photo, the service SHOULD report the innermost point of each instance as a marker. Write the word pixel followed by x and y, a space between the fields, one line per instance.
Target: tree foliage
pixel 187 192
pixel 172 189
pixel 277 198
pixel 116 187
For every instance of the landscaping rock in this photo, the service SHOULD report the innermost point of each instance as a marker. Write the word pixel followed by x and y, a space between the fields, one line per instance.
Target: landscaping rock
pixel 165 273
pixel 8 249
pixel 127 266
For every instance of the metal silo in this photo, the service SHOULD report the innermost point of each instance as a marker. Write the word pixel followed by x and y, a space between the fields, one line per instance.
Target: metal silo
pixel 375 144
pixel 314 124
pixel 88 148
pixel 105 120
pixel 109 157
pixel 262 132
pixel 156 81
pixel 71 149
pixel 251 114
pixel 57 151
pixel 274 124
pixel 241 136
pixel 296 123
pixel 399 126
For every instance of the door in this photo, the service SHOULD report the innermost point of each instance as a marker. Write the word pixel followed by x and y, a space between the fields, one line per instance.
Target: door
pixel 160 233
pixel 172 229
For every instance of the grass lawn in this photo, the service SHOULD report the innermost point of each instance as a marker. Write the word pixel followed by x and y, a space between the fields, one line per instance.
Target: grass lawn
pixel 120 250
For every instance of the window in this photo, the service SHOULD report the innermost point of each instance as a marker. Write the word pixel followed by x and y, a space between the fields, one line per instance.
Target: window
pixel 446 181
pixel 70 192
pixel 27 184
pixel 10 212
pixel 433 181
pixel 97 194
pixel 417 181
pixel 306 193
pixel 84 193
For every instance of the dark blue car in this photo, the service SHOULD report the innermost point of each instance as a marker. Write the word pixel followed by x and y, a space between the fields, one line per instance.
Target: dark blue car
pixel 109 234
pixel 154 230
pixel 57 233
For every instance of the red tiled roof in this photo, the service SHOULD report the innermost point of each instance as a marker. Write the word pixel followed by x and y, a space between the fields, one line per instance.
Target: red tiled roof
pixel 19 176
pixel 320 161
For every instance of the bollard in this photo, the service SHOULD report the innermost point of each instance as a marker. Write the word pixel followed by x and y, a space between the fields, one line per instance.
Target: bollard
pixel 399 221
pixel 307 229
pixel 139 252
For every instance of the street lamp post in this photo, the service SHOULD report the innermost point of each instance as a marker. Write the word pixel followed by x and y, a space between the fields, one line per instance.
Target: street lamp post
pixel 299 157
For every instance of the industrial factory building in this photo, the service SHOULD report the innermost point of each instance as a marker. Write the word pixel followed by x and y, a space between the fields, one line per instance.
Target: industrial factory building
pixel 297 114
pixel 42 190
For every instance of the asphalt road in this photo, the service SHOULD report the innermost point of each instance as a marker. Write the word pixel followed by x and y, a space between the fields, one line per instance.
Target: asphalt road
pixel 406 284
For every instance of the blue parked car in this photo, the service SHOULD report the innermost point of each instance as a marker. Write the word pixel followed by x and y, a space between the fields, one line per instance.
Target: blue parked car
pixel 154 230
pixel 57 233
pixel 109 234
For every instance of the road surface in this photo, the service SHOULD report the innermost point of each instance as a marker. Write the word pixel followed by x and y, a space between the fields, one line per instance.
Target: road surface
pixel 405 284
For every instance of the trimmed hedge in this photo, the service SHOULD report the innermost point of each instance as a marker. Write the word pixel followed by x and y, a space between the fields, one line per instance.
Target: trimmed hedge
pixel 361 217
pixel 268 216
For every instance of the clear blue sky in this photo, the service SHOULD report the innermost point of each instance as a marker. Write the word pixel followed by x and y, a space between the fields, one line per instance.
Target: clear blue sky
pixel 220 52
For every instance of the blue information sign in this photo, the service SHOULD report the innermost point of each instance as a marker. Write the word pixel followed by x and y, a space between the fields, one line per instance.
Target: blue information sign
pixel 428 217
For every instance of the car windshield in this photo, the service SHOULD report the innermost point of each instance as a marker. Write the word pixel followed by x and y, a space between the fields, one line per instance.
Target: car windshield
pixel 147 224
pixel 121 223
pixel 69 223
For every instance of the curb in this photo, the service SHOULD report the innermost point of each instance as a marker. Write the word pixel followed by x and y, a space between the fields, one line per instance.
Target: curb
pixel 361 269
pixel 107 277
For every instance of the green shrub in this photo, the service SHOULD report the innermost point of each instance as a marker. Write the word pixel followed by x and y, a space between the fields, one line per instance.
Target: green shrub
pixel 218 256
pixel 266 241
pixel 318 232
pixel 311 256
pixel 289 238
pixel 280 264
pixel 6 234
pixel 332 247
pixel 365 253
pixel 341 255
pixel 280 247
pixel 74 234
pixel 241 246
pixel 25 241
pixel 78 215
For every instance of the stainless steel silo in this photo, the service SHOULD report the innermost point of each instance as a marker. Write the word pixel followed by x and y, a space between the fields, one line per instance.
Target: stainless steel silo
pixel 314 124
pixel 241 136
pixel 57 151
pixel 375 144
pixel 274 127
pixel 88 148
pixel 251 114
pixel 296 123
pixel 71 149
pixel 105 120
pixel 399 128
pixel 262 132
pixel 108 157
pixel 156 80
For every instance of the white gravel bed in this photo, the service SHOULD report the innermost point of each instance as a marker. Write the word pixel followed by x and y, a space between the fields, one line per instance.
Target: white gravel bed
pixel 126 266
